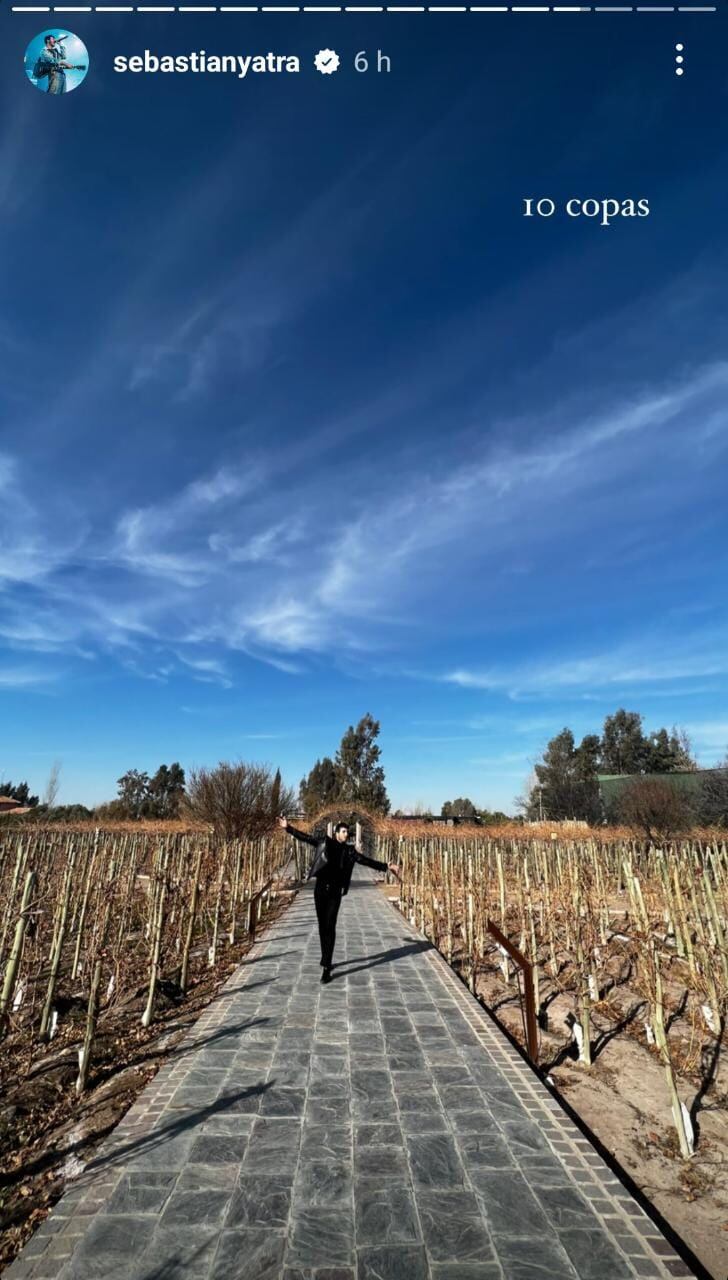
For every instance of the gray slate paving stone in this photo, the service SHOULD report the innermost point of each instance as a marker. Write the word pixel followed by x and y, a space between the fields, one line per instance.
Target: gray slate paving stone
pixel 480 1121
pixel 393 1262
pixel 594 1256
pixel 456 1073
pixel 466 1271
pixel 434 1160
pixel 196 1208
pixel 424 1100
pixel 410 1081
pixel 273 1146
pixel 196 1079
pixel 438 1056
pixel 325 1141
pixel 290 1061
pixel 511 1209
pixel 203 1177
pixel 385 1215
pixel 379 1135
pixel 372 1062
pixel 239 1100
pixel 283 1102
pixel 404 1060
pixel 213 1149
pixel 382 1109
pixel 325 1182
pixel 333 1043
pixel 260 1202
pixel 566 1209
pixel 535 1260
pixel 370 1084
pixel 460 1097
pixel 112 1244
pixel 193 1100
pixel 524 1136
pixel 288 1077
pixel 321 1236
pixel 248 1254
pixel 160 1151
pixel 452 1226
pixel 239 1124
pixel 136 1198
pixel 543 1169
pixel 319 1273
pixel 360 1042
pixel 140 1178
pixel 386 1164
pixel 333 1087
pixel 414 1122
pixel 327 1111
pixel 328 1065
pixel 178 1255
pixel 486 1150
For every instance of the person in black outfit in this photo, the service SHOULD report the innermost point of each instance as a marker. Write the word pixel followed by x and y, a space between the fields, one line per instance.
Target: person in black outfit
pixel 332 882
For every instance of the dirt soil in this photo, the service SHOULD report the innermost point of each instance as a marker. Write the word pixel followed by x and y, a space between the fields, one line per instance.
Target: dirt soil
pixel 624 1101
pixel 47 1133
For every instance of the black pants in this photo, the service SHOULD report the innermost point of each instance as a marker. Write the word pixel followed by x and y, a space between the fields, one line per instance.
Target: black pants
pixel 327 897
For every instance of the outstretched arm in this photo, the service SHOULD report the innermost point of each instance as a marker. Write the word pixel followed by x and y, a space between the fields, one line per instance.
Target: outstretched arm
pixel 370 862
pixel 377 866
pixel 297 835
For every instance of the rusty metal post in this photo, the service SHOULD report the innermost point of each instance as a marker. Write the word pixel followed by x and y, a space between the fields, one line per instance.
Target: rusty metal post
pixel 526 968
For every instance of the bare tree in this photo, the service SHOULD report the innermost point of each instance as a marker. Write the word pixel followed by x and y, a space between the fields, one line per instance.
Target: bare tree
pixel 51 787
pixel 657 808
pixel 236 798
pixel 421 810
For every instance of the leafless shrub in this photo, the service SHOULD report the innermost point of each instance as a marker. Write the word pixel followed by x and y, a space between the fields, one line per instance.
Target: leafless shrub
pixel 236 798
pixel 656 809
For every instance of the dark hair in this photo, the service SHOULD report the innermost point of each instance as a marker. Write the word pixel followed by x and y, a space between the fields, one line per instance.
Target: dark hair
pixel 50 36
pixel 339 825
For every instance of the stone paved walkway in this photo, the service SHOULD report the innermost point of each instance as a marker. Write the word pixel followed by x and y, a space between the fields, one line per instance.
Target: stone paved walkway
pixel 378 1128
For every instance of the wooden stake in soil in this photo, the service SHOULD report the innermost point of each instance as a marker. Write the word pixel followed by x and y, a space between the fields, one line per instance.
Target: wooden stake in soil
pixel 58 950
pixel 92 1010
pixel 157 941
pixel 191 922
pixel 11 972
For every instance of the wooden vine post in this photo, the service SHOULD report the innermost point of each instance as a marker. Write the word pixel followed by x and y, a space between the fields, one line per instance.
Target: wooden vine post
pixel 11 973
pixel 184 967
pixel 157 930
pixel 45 1021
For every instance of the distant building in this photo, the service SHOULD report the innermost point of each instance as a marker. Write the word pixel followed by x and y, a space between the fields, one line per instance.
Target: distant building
pixel 9 805
pixel 437 820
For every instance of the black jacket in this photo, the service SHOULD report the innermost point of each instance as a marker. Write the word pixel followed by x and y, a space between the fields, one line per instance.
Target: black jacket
pixel 340 858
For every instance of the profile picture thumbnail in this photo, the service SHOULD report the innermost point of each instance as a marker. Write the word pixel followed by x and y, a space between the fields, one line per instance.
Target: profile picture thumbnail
pixel 56 61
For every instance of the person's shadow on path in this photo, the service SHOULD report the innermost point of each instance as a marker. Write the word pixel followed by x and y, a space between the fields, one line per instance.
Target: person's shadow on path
pixel 379 957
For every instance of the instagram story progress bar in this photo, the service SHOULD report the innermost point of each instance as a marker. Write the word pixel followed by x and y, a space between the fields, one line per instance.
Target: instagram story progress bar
pixel 451 9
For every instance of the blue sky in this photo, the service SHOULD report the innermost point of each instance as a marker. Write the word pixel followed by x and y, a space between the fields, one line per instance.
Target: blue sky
pixel 301 419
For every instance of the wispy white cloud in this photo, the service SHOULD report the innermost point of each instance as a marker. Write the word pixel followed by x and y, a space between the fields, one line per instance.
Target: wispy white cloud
pixel 270 545
pixel 166 540
pixel 35 539
pixel 27 677
pixel 651 659
pixel 207 670
pixel 213 568
pixel 486 497
pixel 709 738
